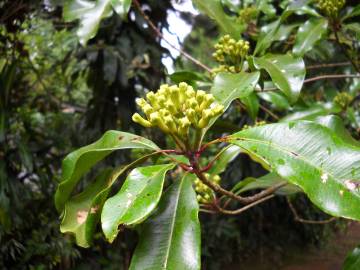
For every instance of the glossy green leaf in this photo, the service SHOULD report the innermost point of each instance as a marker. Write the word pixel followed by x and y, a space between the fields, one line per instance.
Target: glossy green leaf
pixel 170 239
pixel 312 157
pixel 252 105
pixel 77 163
pixel 229 154
pixel 82 212
pixel 266 181
pixel 336 124
pixel 277 99
pixel 136 199
pixel 308 34
pixel 287 73
pixel 352 261
pixel 315 110
pixel 90 14
pixel 228 86
pixel 271 33
pixel 214 9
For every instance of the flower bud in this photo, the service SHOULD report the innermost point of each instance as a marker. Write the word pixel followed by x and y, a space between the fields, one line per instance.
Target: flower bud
pixel 200 96
pixel 141 102
pixel 191 115
pixel 137 118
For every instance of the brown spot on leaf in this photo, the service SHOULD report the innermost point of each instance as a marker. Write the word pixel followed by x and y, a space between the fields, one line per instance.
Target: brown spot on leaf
pixel 294 154
pixel 81 216
pixel 120 138
pixel 136 139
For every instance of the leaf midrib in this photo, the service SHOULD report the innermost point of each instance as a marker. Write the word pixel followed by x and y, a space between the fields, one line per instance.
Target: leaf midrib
pixel 166 259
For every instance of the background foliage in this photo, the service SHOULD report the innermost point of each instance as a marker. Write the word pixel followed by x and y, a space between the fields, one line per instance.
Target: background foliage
pixel 57 95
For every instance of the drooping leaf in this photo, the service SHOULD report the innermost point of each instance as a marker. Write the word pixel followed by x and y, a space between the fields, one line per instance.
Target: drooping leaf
pixel 308 34
pixel 214 9
pixel 77 163
pixel 136 199
pixel 287 73
pixel 170 239
pixel 82 212
pixel 312 157
pixel 90 14
pixel 352 261
pixel 252 104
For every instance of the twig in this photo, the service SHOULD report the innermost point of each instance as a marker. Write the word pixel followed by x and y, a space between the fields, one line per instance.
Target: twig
pixel 242 209
pixel 245 200
pixel 269 112
pixel 307 221
pixel 160 35
pixel 328 65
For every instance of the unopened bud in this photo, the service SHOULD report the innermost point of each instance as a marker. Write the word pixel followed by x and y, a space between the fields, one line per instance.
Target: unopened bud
pixel 137 118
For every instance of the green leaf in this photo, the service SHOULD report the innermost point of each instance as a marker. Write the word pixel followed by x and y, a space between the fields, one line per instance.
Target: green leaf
pixel 121 7
pixel 77 163
pixel 287 73
pixel 82 212
pixel 228 86
pixel 352 261
pixel 136 199
pixel 308 34
pixel 186 76
pixel 170 239
pixel 251 103
pixel 315 110
pixel 277 99
pixel 90 14
pixel 354 12
pixel 229 154
pixel 312 157
pixel 271 33
pixel 336 124
pixel 263 182
pixel 215 11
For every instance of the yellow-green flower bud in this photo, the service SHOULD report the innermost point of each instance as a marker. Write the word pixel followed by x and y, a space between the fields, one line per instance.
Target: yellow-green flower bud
pixel 156 119
pixel 208 100
pixel 217 110
pixel 191 115
pixel 137 118
pixel 170 123
pixel 148 109
pixel 192 103
pixel 200 96
pixel 141 102
pixel 190 92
